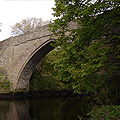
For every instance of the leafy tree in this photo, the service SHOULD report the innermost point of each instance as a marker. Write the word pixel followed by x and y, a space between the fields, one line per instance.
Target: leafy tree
pixel 90 52
pixel 44 78
pixel 27 25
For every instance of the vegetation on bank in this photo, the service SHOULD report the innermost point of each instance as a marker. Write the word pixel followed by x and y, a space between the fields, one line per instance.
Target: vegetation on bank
pixel 4 82
pixel 44 77
pixel 90 53
pixel 106 113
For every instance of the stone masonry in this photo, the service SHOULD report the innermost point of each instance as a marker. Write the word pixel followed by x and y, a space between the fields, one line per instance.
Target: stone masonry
pixel 19 55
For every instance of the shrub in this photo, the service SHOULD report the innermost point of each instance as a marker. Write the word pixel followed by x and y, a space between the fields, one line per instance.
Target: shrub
pixel 106 113
pixel 4 82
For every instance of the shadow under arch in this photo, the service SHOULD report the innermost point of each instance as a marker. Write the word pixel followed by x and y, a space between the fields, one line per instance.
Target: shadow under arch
pixel 30 65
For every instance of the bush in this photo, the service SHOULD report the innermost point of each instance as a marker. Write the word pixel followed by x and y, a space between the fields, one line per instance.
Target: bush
pixel 4 82
pixel 44 77
pixel 106 113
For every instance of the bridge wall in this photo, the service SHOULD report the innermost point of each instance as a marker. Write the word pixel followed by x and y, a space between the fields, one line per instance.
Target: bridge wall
pixel 19 55
pixel 15 52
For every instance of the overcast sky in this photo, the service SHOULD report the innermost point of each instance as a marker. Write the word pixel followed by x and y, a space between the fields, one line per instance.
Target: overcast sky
pixel 12 11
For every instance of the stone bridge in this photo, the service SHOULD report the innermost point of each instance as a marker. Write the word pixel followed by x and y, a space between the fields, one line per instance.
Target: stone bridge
pixel 19 55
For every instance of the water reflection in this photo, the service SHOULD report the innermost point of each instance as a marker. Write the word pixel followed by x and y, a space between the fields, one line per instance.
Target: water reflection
pixel 4 108
pixel 14 110
pixel 64 108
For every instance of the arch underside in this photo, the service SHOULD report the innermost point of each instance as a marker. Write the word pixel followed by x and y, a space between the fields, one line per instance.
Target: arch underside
pixel 23 81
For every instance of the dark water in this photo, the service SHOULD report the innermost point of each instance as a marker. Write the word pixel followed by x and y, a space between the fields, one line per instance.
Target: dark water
pixel 44 108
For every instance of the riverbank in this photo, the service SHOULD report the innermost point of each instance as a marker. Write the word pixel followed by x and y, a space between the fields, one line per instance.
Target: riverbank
pixel 23 94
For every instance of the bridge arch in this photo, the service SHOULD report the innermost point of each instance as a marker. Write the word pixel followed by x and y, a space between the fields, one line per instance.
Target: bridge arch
pixel 20 54
pixel 29 66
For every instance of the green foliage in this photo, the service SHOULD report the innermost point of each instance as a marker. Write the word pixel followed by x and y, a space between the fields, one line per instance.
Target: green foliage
pixel 4 82
pixel 105 113
pixel 90 53
pixel 44 77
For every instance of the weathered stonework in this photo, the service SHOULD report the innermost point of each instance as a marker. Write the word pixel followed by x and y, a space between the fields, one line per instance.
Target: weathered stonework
pixel 19 55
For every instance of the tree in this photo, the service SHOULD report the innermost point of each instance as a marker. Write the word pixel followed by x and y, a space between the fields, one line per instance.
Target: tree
pixel 27 25
pixel 91 61
pixel 43 77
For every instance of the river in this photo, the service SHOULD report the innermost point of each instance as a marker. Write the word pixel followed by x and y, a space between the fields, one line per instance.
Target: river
pixel 45 108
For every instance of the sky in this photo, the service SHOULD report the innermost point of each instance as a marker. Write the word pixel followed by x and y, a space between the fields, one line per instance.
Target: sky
pixel 12 11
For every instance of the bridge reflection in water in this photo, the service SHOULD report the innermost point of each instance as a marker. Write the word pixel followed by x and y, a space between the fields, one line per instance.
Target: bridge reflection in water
pixel 14 110
pixel 62 108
